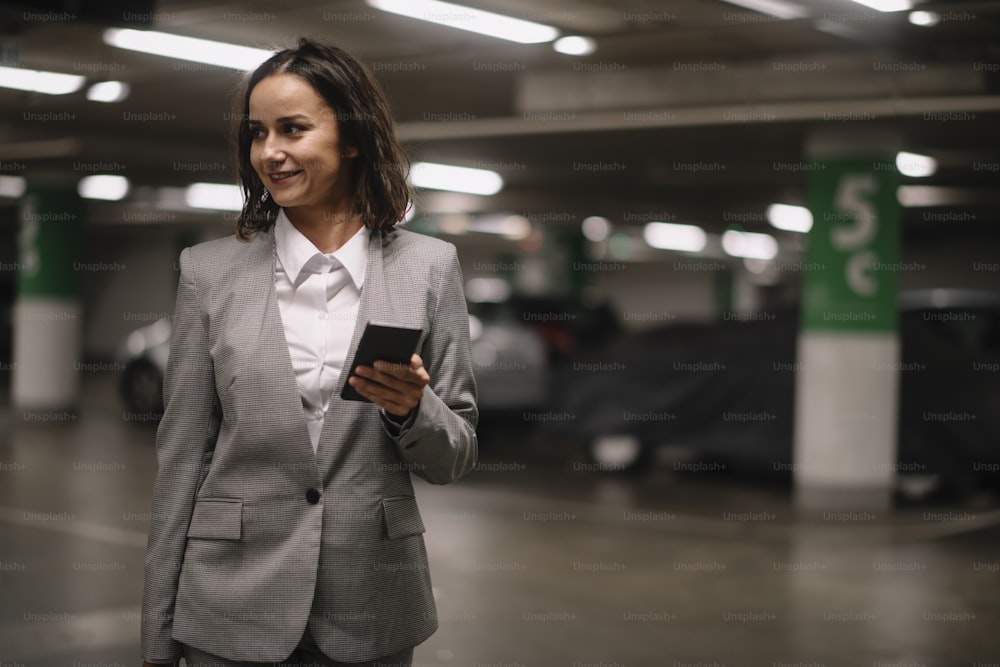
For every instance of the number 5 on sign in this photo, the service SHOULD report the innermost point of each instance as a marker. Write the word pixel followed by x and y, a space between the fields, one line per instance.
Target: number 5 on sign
pixel 854 197
pixel 850 283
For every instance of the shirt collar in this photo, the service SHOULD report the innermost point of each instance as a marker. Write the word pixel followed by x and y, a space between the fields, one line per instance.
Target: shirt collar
pixel 294 250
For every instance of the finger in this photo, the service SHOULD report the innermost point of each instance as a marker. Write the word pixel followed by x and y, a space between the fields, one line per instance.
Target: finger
pixel 418 367
pixel 411 374
pixel 414 374
pixel 395 375
pixel 368 388
pixel 416 364
pixel 381 377
pixel 407 394
pixel 395 369
pixel 394 402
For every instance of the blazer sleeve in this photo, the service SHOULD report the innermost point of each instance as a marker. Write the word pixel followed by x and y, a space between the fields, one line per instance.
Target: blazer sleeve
pixel 185 440
pixel 440 440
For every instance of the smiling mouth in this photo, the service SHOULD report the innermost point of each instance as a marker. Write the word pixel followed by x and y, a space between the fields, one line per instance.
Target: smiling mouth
pixel 282 176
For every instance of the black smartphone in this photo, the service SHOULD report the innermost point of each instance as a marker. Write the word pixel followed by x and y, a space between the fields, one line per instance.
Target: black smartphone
pixel 381 341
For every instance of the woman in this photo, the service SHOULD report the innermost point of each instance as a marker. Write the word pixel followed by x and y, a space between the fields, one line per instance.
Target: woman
pixel 284 523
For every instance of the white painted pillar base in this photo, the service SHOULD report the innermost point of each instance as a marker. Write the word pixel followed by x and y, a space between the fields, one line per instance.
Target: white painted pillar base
pixel 46 352
pixel 846 422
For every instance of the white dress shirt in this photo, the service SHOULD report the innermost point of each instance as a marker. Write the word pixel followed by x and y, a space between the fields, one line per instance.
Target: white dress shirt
pixel 318 296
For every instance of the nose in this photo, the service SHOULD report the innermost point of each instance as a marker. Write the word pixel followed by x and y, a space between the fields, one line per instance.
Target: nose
pixel 271 149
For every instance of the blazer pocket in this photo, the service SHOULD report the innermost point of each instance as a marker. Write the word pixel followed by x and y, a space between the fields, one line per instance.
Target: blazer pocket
pixel 217 519
pixel 402 518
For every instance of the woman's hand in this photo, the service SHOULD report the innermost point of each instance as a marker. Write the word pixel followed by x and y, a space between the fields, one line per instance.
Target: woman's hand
pixel 396 388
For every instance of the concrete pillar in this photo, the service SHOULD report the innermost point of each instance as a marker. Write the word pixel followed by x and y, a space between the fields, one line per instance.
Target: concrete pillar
pixel 847 385
pixel 47 311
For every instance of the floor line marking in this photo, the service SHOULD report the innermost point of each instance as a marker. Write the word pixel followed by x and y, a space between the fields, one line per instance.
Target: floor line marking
pixel 51 633
pixel 72 526
pixel 901 525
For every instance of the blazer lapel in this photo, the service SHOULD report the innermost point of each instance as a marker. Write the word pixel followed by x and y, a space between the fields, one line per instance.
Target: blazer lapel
pixel 263 332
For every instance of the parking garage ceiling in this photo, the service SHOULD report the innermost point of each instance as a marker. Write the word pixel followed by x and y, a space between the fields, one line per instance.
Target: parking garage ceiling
pixel 687 110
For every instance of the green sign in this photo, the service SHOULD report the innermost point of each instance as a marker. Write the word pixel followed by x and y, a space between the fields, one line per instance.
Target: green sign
pixel 48 243
pixel 852 263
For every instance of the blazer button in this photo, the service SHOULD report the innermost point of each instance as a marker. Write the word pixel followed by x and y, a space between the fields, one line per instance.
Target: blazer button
pixel 312 496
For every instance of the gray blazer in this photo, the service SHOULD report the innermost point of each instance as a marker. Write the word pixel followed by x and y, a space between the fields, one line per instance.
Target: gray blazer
pixel 253 535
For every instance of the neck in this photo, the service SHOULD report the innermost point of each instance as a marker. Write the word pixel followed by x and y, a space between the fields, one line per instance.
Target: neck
pixel 327 230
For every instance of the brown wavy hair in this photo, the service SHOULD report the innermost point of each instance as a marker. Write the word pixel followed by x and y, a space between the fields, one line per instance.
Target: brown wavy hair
pixel 379 172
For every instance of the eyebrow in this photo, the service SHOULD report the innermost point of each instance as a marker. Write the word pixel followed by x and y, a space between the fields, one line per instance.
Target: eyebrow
pixel 283 119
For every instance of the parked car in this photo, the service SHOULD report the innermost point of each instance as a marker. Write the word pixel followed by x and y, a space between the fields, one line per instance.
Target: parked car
pixel 515 344
pixel 509 361
pixel 723 392
pixel 144 354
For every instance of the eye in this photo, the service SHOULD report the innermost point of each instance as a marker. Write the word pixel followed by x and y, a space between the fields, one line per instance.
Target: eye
pixel 294 129
pixel 256 133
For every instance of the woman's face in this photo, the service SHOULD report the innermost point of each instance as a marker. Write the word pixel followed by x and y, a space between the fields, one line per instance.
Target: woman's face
pixel 296 149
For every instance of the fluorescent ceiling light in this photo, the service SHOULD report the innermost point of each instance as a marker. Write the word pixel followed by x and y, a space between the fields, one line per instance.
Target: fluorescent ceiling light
pixel 924 19
pixel 672 236
pixel 749 244
pixel 596 228
pixel 103 186
pixel 777 8
pixel 455 179
pixel 453 223
pixel 914 165
pixel 39 81
pixel 466 18
pixel 492 290
pixel 575 45
pixel 886 5
pixel 937 195
pixel 764 271
pixel 911 196
pixel 514 227
pixel 196 50
pixel 790 218
pixel 108 91
pixel 218 196
pixel 475 327
pixel 12 186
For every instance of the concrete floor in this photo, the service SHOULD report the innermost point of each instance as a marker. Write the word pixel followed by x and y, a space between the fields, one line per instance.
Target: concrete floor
pixel 536 562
